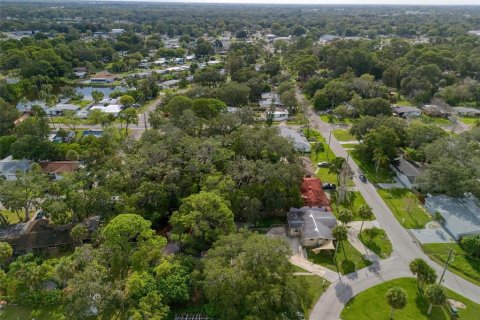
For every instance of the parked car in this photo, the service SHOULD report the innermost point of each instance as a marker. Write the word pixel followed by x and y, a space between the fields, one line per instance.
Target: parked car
pixel 329 186
pixel 323 164
pixel 39 215
pixel 362 178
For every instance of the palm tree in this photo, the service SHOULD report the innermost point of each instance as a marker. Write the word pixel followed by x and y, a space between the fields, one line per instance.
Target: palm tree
pixel 436 295
pixel 340 232
pixel 345 216
pixel 423 272
pixel 366 213
pixel 380 158
pixel 396 299
pixel 437 217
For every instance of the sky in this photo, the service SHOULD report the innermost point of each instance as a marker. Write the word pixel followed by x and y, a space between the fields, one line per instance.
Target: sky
pixel 385 2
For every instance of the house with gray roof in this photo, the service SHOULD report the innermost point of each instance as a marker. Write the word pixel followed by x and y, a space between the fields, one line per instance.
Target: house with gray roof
pixel 10 167
pixel 406 111
pixel 407 172
pixel 299 141
pixel 313 225
pixel 467 112
pixel 461 215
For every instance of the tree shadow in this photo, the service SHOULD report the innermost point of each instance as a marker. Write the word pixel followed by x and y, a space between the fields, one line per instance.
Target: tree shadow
pixel 348 266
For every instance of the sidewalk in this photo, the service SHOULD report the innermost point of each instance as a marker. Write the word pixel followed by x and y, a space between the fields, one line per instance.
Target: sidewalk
pixel 323 272
pixel 353 233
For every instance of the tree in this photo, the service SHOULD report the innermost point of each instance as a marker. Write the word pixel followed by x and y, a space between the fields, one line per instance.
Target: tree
pixel 234 94
pixel 335 167
pixel 25 192
pixel 97 96
pixel 437 217
pixel 340 233
pixel 379 158
pixel 396 299
pixel 289 99
pixel 471 244
pixel 248 276
pixel 209 77
pixel 127 101
pixel 208 108
pixel 345 216
pixel 6 253
pixel 129 115
pixel 201 220
pixel 436 295
pixel 424 273
pixel 306 65
pixel 365 212
pixel 79 233
pixel 8 114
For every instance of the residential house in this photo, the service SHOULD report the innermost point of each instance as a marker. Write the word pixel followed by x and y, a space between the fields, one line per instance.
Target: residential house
pixel 170 83
pixel 435 111
pixel 10 167
pixel 69 137
pixel 277 115
pixel 109 108
pixel 300 143
pixel 467 112
pixel 55 169
pixel 406 111
pixel 461 216
pixel 103 77
pixel 407 172
pixel 39 235
pixel 60 108
pixel 313 225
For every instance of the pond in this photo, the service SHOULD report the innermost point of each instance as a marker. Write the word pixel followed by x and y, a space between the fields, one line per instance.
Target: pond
pixel 87 91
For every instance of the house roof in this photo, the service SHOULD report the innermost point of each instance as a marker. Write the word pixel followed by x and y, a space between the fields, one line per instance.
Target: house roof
pixel 299 140
pixel 9 167
pixel 466 110
pixel 314 222
pixel 461 215
pixel 405 109
pixel 407 168
pixel 313 194
pixel 59 166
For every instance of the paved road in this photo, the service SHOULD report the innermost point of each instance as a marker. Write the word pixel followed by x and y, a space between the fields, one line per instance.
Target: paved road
pixel 405 248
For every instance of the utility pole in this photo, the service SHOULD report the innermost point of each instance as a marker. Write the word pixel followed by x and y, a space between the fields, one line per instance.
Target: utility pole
pixel 446 266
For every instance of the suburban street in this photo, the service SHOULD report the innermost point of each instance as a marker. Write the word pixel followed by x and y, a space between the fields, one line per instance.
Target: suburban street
pixel 405 248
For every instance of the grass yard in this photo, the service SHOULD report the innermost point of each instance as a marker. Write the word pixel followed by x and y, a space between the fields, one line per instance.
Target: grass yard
pixel 371 304
pixel 11 216
pixel 384 175
pixel 331 119
pixel 354 260
pixel 325 155
pixel 435 120
pixel 406 208
pixel 470 120
pixel 316 287
pixel 343 135
pixel 356 200
pixel 377 241
pixel 13 312
pixel 349 145
pixel 462 265
pixel 81 103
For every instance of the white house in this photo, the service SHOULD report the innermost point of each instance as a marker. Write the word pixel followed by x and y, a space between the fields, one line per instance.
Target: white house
pixel 279 115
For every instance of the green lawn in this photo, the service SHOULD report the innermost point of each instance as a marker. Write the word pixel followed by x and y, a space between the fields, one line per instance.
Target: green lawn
pixel 81 103
pixel 377 241
pixel 354 260
pixel 316 286
pixel 11 216
pixel 349 145
pixel 355 201
pixel 406 208
pixel 384 175
pixel 435 120
pixel 470 120
pixel 12 312
pixel 462 265
pixel 325 155
pixel 343 135
pixel 371 304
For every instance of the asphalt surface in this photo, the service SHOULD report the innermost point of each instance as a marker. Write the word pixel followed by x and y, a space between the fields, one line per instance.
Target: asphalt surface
pixel 405 248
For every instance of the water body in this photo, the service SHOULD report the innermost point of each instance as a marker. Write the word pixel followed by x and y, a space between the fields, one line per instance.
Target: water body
pixel 87 91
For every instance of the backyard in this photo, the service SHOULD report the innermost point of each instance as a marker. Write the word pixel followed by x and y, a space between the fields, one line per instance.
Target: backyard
pixel 371 304
pixel 406 207
pixel 348 261
pixel 461 264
